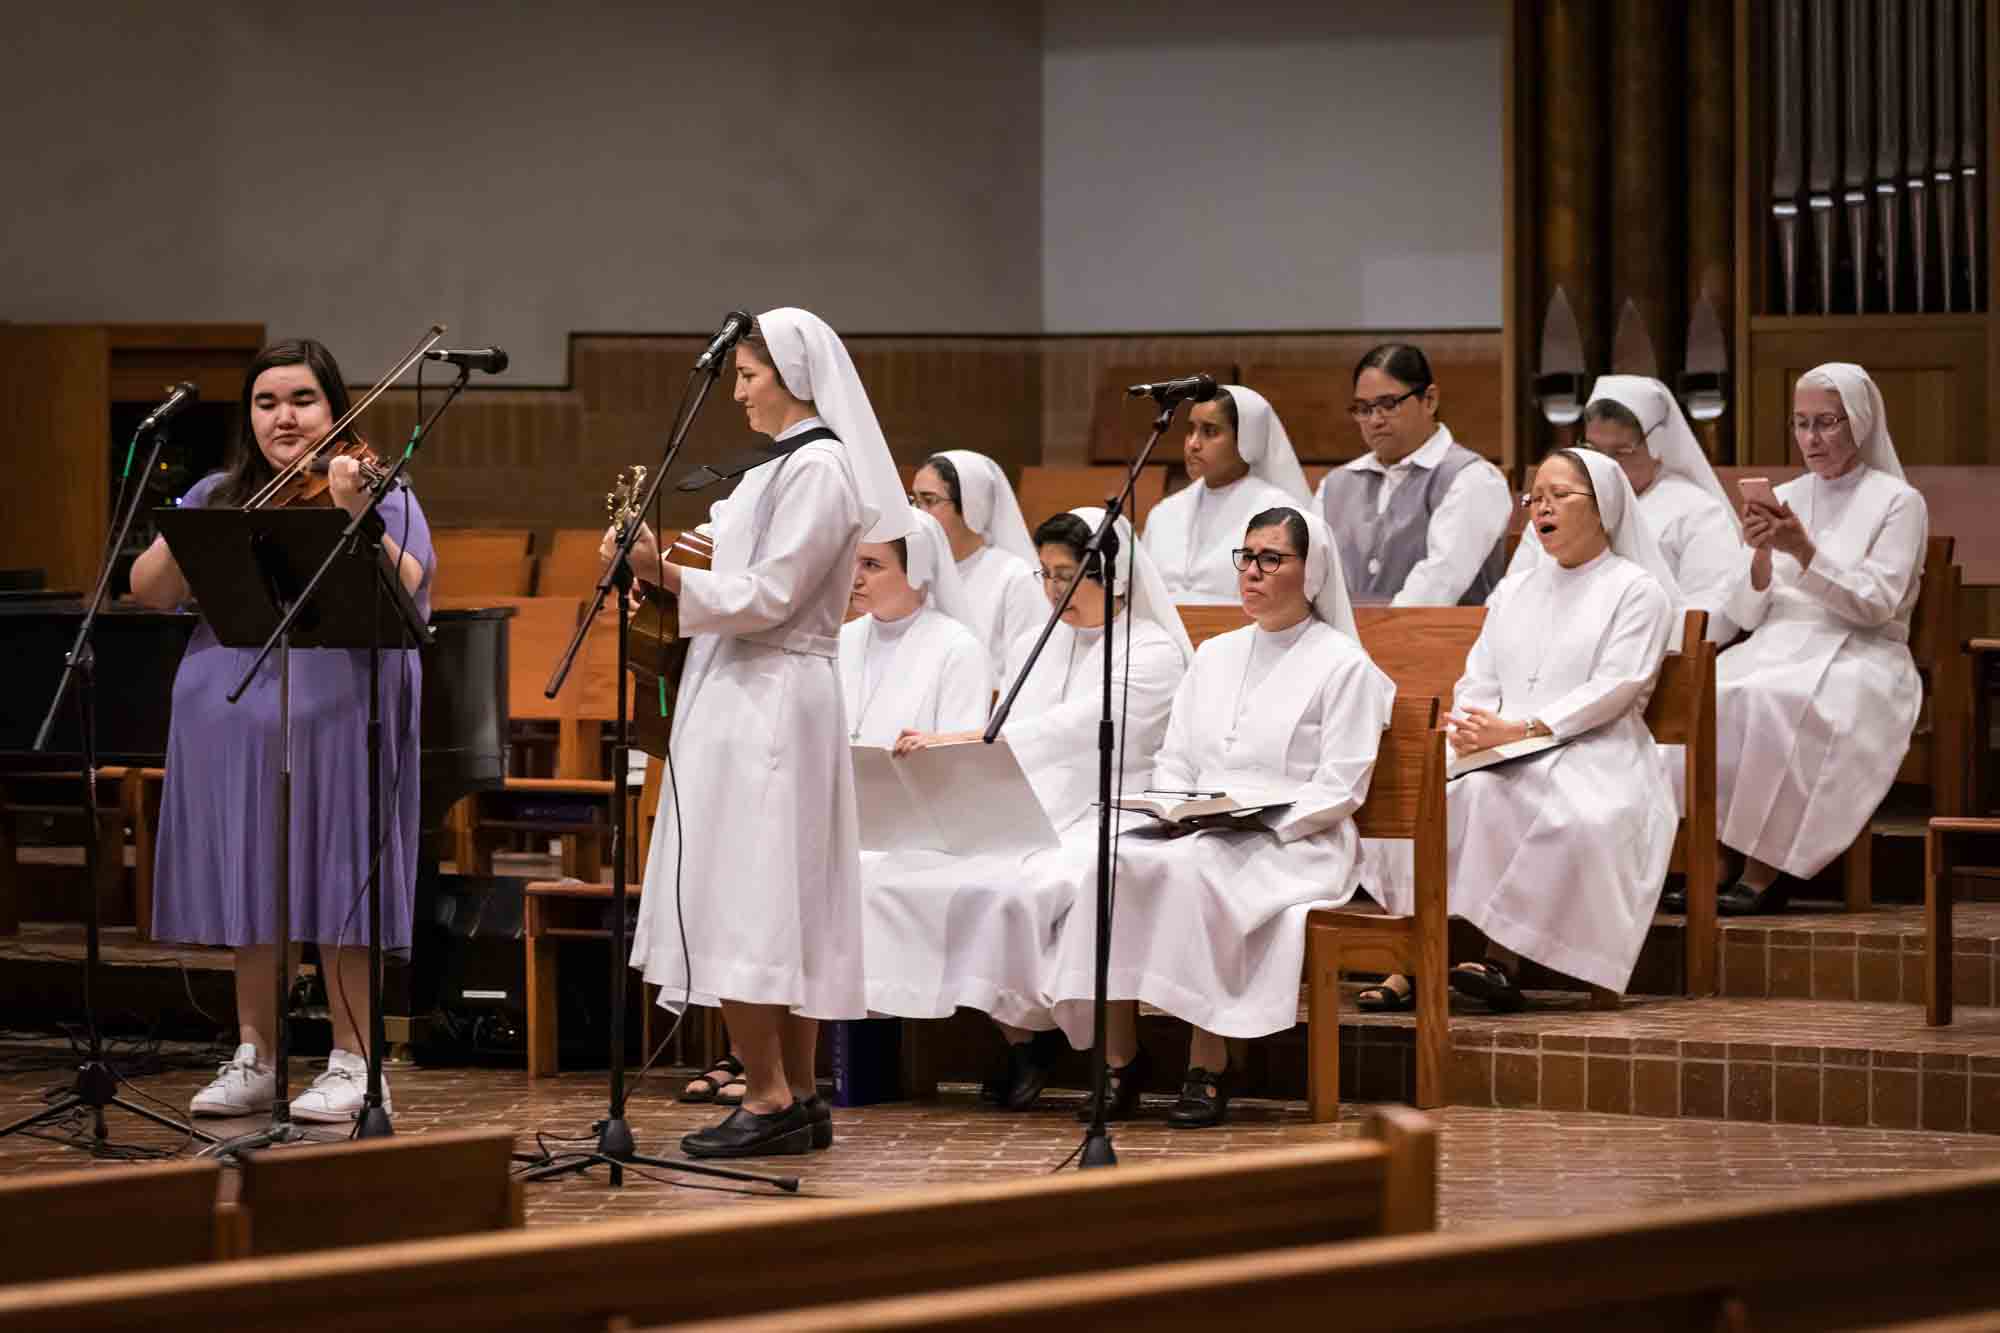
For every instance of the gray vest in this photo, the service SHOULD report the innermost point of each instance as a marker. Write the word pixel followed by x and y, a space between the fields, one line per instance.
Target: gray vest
pixel 1378 550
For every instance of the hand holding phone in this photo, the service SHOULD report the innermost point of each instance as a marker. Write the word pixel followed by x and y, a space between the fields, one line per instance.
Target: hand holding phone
pixel 1757 491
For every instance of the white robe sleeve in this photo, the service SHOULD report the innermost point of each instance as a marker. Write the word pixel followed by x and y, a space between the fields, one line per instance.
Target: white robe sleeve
pixel 1870 592
pixel 815 518
pixel 1023 608
pixel 1354 705
pixel 1468 522
pixel 1056 734
pixel 1709 565
pixel 965 686
pixel 1627 665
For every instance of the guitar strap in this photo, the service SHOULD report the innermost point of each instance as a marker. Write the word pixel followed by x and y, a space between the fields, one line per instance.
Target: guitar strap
pixel 708 474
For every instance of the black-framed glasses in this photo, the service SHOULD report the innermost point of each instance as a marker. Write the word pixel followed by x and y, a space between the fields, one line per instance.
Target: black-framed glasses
pixel 1268 561
pixel 1381 407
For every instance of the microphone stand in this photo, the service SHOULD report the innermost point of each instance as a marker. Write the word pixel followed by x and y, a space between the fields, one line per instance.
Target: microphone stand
pixel 1097 1147
pixel 616 1148
pixel 96 1084
pixel 363 534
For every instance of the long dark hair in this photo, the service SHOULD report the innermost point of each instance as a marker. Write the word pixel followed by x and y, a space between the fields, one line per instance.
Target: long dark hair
pixel 247 469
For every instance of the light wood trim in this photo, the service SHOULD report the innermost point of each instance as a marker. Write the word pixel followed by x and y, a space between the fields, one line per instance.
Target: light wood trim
pixel 87 1223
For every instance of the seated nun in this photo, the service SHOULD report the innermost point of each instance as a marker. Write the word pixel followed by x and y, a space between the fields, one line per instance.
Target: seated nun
pixel 911 659
pixel 1211 922
pixel 968 494
pixel 1813 712
pixel 1638 424
pixel 1421 519
pixel 1560 856
pixel 943 931
pixel 1239 461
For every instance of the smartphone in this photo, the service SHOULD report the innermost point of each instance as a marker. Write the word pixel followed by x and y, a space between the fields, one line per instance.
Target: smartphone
pixel 1757 491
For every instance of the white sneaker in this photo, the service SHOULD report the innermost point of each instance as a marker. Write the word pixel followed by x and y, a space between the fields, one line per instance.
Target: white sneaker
pixel 241 1087
pixel 335 1096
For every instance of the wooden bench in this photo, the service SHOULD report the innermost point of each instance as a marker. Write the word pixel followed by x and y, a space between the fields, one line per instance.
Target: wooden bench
pixel 572 566
pixel 372 1191
pixel 716 1263
pixel 80 1224
pixel 475 562
pixel 60 794
pixel 1847 1257
pixel 1940 834
pixel 537 635
pixel 1048 491
pixel 558 910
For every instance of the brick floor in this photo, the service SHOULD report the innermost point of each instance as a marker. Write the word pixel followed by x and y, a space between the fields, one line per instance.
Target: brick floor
pixel 1497 1165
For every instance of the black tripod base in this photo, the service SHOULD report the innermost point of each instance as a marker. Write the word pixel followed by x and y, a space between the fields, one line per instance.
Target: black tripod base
pixel 1097 1150
pixel 97 1087
pixel 617 1150
pixel 374 1123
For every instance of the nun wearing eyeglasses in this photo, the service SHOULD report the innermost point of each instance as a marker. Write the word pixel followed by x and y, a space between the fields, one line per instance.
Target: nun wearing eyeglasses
pixel 945 932
pixel 968 494
pixel 1814 711
pixel 1210 923
pixel 1638 424
pixel 1421 519
pixel 911 660
pixel 1239 461
pixel 1560 856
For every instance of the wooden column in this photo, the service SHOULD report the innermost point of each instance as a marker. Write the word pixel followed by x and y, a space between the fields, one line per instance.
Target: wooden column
pixel 1647 182
pixel 1711 183
pixel 1570 143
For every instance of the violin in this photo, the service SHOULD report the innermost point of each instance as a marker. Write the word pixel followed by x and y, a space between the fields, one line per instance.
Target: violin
pixel 303 481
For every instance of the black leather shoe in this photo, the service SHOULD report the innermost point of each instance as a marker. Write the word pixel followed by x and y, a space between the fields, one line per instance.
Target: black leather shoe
pixel 1739 899
pixel 1125 1083
pixel 821 1111
pixel 785 1133
pixel 1029 1065
pixel 1674 901
pixel 1199 1107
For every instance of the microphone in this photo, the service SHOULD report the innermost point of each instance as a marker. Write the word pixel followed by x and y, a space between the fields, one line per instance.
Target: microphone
pixel 1189 388
pixel 734 325
pixel 184 393
pixel 489 359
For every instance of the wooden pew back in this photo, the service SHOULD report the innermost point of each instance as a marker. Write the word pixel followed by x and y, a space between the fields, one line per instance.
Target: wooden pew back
pixel 78 1224
pixel 1118 423
pixel 1847 1257
pixel 373 1191
pixel 571 566
pixel 483 562
pixel 1312 400
pixel 718 1263
pixel 1048 491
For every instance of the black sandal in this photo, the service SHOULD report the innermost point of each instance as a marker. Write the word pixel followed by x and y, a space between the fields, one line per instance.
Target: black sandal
pixel 1123 1083
pixel 1386 999
pixel 717 1090
pixel 1204 1099
pixel 1488 982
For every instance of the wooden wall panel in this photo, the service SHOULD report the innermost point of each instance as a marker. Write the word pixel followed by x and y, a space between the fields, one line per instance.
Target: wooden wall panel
pixel 55 417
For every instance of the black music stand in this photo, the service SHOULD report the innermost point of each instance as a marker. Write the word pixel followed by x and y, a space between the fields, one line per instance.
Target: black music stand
pixel 248 568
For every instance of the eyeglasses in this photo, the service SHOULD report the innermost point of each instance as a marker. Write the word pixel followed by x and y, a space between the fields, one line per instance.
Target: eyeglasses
pixel 1617 453
pixel 927 500
pixel 1821 426
pixel 1381 407
pixel 1062 576
pixel 1550 497
pixel 1268 561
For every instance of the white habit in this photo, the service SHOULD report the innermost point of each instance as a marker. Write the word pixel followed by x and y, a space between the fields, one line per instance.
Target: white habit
pixel 1561 856
pixel 1813 712
pixel 1191 533
pixel 1211 926
pixel 925 672
pixel 1006 596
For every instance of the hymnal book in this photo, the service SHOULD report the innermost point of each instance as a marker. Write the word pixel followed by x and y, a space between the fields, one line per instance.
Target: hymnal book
pixel 966 797
pixel 1188 807
pixel 1460 765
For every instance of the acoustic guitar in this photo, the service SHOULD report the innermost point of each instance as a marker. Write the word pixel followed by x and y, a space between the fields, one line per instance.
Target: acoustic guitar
pixel 657 652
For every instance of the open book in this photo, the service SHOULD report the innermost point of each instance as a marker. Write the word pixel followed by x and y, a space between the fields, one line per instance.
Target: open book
pixel 1459 765
pixel 1188 807
pixel 967 797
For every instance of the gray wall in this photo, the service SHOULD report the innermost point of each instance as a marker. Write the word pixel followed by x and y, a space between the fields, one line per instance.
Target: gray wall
pixel 1271 164
pixel 358 170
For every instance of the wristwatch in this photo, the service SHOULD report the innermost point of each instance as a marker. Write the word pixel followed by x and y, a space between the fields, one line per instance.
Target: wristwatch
pixel 1537 727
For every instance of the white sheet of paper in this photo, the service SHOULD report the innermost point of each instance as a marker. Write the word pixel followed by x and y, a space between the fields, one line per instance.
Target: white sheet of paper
pixel 890 819
pixel 969 798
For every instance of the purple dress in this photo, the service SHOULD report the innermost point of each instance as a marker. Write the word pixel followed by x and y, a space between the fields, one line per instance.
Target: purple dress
pixel 217 853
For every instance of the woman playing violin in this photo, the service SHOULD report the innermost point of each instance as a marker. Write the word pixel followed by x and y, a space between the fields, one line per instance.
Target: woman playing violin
pixel 217 856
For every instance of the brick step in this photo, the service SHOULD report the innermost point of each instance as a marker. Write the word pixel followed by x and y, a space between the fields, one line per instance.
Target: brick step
pixel 1811 1062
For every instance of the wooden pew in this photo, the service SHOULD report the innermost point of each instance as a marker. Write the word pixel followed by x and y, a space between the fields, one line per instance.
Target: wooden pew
pixel 717 1263
pixel 571 566
pixel 483 562
pixel 1118 423
pixel 1048 491
pixel 1847 1257
pixel 85 1223
pixel 373 1191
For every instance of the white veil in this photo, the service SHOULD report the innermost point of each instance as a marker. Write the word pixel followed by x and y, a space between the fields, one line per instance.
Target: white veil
pixel 988 503
pixel 1618 510
pixel 1865 414
pixel 815 366
pixel 931 567
pixel 1264 445
pixel 1668 436
pixel 1137 579
pixel 1326 581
